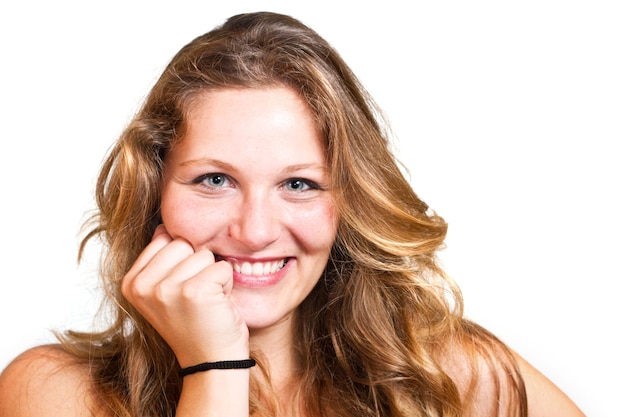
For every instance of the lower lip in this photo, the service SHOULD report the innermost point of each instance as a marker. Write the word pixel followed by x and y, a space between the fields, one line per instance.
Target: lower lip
pixel 262 281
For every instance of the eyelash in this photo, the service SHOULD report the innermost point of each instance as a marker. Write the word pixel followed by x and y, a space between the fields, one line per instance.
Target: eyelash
pixel 201 180
pixel 308 183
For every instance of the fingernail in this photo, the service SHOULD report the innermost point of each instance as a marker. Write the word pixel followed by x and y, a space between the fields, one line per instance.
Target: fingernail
pixel 159 229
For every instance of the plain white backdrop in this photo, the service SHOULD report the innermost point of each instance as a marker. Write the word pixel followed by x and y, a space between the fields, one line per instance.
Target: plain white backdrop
pixel 510 118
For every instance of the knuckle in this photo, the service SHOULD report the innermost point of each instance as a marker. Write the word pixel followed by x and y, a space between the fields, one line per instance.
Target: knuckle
pixel 182 246
pixel 206 256
pixel 135 288
pixel 191 291
pixel 162 292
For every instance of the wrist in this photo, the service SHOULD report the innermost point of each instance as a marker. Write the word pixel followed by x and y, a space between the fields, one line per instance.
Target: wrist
pixel 218 365
pixel 214 355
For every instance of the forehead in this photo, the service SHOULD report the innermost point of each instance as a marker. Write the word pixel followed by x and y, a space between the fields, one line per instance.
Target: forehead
pixel 228 121
pixel 269 105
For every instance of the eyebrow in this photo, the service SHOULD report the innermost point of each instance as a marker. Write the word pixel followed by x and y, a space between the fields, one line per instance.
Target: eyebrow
pixel 225 165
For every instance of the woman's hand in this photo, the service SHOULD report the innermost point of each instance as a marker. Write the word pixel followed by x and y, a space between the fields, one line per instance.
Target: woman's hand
pixel 185 295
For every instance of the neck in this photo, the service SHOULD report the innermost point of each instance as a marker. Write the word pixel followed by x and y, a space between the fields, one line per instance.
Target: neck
pixel 275 346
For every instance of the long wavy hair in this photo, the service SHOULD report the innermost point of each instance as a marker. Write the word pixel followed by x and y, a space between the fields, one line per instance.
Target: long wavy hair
pixel 374 334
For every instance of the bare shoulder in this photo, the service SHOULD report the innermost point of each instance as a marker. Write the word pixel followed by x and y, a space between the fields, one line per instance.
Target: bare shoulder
pixel 487 388
pixel 45 381
pixel 544 397
pixel 495 381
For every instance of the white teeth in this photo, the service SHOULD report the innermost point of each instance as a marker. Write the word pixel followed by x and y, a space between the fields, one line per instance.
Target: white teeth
pixel 258 268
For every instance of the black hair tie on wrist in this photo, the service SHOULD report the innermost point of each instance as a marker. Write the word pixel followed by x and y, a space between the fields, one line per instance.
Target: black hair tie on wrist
pixel 207 366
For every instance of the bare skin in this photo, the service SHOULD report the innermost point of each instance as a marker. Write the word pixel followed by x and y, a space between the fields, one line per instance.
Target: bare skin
pixel 247 229
pixel 47 382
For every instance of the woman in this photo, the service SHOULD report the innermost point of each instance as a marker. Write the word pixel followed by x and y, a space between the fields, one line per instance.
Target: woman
pixel 252 213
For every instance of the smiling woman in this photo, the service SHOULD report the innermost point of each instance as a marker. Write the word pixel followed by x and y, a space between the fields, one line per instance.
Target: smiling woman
pixel 254 213
pixel 258 197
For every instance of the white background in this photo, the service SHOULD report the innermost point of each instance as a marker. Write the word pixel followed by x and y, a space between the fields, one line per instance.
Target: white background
pixel 510 117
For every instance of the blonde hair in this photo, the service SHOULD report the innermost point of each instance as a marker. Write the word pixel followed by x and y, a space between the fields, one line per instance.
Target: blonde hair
pixel 372 332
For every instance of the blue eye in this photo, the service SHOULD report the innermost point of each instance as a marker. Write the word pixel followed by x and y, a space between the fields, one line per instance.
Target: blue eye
pixel 213 180
pixel 300 184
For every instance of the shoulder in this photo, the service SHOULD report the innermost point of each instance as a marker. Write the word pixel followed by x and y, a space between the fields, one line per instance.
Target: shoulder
pixel 487 379
pixel 544 397
pixel 493 380
pixel 45 381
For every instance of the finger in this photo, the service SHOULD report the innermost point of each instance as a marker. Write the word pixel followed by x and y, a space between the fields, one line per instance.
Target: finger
pixel 155 264
pixel 222 275
pixel 215 279
pixel 196 263
pixel 154 247
pixel 160 229
pixel 160 239
pixel 228 282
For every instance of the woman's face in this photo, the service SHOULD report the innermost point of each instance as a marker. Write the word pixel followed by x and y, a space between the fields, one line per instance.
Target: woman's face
pixel 249 182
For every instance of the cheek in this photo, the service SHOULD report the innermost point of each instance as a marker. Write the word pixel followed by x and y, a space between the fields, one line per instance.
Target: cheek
pixel 318 227
pixel 175 217
pixel 187 219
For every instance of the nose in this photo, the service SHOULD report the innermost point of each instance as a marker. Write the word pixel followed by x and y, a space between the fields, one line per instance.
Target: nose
pixel 256 223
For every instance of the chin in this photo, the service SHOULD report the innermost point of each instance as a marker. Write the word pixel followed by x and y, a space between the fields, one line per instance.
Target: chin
pixel 262 314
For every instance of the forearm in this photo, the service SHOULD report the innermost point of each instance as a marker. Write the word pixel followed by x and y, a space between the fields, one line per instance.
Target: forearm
pixel 215 393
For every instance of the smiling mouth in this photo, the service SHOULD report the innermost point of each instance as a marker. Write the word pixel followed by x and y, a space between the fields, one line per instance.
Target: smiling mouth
pixel 254 268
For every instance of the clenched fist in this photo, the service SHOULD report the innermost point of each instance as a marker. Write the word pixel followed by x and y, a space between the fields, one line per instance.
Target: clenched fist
pixel 185 295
